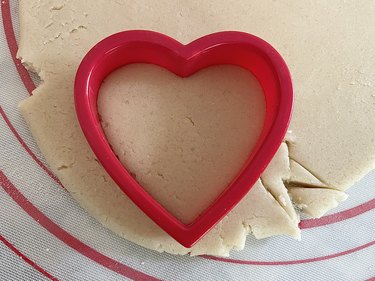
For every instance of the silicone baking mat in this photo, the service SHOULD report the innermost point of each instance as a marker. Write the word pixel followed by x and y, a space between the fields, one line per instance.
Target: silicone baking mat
pixel 45 235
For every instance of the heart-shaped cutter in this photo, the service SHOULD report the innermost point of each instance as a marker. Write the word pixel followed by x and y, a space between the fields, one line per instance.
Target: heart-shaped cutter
pixel 228 47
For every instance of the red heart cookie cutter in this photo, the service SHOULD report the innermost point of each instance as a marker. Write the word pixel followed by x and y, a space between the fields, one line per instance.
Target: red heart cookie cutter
pixel 230 47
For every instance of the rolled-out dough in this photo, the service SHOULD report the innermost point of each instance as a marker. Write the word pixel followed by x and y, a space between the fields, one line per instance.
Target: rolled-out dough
pixel 183 140
pixel 333 123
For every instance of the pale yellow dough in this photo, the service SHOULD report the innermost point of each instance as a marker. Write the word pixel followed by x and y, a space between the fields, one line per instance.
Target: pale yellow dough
pixel 328 46
pixel 184 140
pixel 316 202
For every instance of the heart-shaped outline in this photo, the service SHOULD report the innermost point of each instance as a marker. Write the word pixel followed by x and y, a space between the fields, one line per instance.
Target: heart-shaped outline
pixel 229 47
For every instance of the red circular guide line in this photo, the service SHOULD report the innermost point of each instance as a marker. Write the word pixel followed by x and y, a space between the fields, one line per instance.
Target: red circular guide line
pixel 291 262
pixel 26 259
pixel 355 211
pixel 85 250
pixel 25 77
pixel 66 237
pixel 10 37
pixel 13 48
pixel 340 216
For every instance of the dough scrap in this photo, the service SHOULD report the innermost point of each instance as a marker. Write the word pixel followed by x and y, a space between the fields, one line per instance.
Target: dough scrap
pixel 336 74
pixel 315 202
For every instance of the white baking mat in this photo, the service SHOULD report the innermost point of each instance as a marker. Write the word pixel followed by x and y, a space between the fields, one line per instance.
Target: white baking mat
pixel 45 235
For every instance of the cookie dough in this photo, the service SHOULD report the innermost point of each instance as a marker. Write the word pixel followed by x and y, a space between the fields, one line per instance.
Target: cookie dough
pixel 315 202
pixel 332 126
pixel 183 140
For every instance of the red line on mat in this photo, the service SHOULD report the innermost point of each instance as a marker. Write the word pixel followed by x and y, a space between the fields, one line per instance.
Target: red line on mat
pixel 291 262
pixel 26 259
pixel 13 47
pixel 66 237
pixel 28 150
pixel 24 75
pixel 71 241
pixel 340 216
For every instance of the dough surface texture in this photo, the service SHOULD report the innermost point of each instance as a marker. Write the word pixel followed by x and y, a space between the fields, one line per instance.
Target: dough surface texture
pixel 183 140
